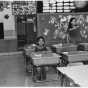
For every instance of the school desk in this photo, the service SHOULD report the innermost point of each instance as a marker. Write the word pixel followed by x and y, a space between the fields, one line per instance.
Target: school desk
pixel 79 74
pixel 43 59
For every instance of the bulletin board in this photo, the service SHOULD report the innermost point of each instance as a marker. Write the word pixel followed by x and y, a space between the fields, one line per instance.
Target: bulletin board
pixel 53 26
pixel 23 7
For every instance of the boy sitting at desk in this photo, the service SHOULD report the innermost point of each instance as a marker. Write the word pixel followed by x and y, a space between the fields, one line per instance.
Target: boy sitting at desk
pixel 41 47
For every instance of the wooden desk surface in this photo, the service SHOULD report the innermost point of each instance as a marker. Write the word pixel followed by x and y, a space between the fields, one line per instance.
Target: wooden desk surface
pixel 75 56
pixel 43 54
pixel 77 52
pixel 65 47
pixel 79 74
pixel 44 58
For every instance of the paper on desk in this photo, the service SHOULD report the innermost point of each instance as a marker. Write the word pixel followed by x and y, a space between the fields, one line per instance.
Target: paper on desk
pixel 58 45
pixel 38 55
pixel 66 53
pixel 77 73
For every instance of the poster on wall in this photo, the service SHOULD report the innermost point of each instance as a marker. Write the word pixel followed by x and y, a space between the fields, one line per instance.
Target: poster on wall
pixel 23 7
pixel 54 26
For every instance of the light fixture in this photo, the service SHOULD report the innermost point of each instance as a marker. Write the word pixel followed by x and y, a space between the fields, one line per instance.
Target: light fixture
pixel 80 4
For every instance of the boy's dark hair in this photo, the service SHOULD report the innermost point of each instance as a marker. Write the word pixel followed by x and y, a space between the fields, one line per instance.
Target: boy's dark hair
pixel 38 38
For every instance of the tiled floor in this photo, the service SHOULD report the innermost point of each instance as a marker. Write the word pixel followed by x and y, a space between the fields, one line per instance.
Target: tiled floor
pixel 12 73
pixel 12 70
pixel 51 81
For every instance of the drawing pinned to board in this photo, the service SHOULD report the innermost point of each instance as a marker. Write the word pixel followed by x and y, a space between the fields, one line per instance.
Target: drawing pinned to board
pixel 69 17
pixel 52 20
pixel 87 18
pixel 46 31
pixel 57 25
pixel 56 34
pixel 63 19
pixel 80 20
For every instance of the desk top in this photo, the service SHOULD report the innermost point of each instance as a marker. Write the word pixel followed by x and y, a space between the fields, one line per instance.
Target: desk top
pixel 75 56
pixel 79 74
pixel 39 55
pixel 45 58
pixel 64 45
pixel 75 52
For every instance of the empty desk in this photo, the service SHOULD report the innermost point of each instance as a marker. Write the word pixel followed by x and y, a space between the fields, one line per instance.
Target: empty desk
pixel 77 56
pixel 79 74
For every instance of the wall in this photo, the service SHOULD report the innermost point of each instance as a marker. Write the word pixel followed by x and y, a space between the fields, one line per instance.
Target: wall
pixel 9 24
pixel 9 43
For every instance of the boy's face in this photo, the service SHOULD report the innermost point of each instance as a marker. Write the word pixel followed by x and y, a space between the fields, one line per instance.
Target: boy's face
pixel 41 42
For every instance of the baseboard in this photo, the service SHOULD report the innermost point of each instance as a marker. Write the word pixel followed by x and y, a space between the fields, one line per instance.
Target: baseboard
pixel 8 45
pixel 11 53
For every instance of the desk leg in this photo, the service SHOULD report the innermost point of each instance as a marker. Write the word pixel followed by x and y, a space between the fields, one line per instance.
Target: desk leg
pixel 38 74
pixel 25 62
pixel 34 73
pixel 60 78
pixel 64 81
pixel 28 64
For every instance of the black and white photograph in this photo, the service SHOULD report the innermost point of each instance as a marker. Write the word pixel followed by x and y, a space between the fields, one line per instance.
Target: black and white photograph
pixel 43 43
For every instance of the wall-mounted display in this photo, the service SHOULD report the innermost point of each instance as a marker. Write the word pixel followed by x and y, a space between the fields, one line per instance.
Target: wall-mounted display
pixel 23 7
pixel 54 26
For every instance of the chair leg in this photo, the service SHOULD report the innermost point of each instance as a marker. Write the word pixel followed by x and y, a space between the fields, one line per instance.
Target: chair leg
pixel 60 77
